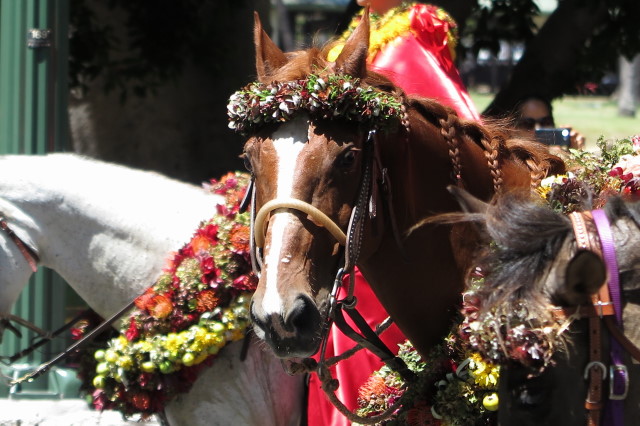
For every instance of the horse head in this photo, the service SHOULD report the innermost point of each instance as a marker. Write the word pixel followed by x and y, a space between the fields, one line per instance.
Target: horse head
pixel 307 175
pixel 344 164
pixel 541 274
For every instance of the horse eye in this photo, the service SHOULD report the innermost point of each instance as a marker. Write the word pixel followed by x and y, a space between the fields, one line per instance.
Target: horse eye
pixel 348 159
pixel 247 162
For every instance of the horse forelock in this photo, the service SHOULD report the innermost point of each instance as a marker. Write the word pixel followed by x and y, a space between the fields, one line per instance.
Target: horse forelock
pixel 527 237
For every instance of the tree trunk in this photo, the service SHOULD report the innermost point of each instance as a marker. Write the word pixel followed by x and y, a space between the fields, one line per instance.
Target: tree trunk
pixel 548 63
pixel 628 87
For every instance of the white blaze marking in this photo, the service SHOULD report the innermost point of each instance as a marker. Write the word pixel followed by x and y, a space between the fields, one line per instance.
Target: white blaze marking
pixel 288 141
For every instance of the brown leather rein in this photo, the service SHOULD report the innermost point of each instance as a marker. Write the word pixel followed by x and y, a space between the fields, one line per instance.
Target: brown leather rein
pixel 602 310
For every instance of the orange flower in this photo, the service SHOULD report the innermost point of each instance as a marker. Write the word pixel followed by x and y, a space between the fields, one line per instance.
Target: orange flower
pixel 143 300
pixel 160 307
pixel 372 388
pixel 239 237
pixel 200 243
pixel 207 300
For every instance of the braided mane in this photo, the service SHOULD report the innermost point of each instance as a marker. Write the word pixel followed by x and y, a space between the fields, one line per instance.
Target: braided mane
pixel 498 143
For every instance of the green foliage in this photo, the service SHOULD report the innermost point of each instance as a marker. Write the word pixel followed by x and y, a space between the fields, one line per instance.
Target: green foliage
pixel 152 46
pixel 511 20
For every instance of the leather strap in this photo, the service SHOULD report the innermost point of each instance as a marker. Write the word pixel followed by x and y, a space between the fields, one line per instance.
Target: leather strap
pixel 595 370
pixel 43 368
pixel 29 254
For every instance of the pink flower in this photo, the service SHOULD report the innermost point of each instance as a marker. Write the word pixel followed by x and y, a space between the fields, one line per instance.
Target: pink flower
pixel 636 143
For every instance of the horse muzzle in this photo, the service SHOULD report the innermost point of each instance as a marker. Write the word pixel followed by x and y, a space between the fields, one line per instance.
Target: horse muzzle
pixel 296 333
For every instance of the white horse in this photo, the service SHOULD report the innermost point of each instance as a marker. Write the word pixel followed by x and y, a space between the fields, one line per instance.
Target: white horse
pixel 108 230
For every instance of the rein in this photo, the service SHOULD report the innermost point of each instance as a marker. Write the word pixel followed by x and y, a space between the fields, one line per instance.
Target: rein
pixel 593 232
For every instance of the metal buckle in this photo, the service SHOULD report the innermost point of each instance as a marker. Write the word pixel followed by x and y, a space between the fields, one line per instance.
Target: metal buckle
pixel 612 370
pixel 592 364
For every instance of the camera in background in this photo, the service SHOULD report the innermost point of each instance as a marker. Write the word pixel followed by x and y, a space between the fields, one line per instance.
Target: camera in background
pixel 559 137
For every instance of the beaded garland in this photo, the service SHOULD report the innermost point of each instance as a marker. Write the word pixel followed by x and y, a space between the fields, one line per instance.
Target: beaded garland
pixel 330 97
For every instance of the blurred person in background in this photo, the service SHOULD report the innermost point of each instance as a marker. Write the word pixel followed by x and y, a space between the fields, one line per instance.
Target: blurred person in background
pixel 535 112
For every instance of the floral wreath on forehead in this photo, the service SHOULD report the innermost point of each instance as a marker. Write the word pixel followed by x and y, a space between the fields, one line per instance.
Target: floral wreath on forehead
pixel 331 97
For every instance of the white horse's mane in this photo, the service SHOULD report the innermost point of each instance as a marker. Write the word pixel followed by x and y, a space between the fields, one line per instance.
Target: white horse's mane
pixel 67 178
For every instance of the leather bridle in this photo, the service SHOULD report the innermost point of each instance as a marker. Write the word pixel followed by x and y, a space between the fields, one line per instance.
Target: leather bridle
pixel 593 232
pixel 374 178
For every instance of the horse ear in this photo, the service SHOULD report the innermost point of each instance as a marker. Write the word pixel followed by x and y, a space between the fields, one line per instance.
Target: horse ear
pixel 468 202
pixel 269 57
pixel 585 274
pixel 353 58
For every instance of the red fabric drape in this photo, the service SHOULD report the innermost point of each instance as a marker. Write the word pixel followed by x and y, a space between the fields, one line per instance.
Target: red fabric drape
pixel 420 63
pixel 352 372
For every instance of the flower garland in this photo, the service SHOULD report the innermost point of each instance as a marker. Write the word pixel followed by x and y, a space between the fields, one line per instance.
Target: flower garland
pixel 393 24
pixel 453 387
pixel 198 305
pixel 508 332
pixel 331 97
pixel 511 332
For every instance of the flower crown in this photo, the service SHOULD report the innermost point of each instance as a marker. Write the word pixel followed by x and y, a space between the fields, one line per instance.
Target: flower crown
pixel 336 96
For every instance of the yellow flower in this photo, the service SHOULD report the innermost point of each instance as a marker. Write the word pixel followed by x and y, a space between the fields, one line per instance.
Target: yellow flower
pixel 484 374
pixel 380 35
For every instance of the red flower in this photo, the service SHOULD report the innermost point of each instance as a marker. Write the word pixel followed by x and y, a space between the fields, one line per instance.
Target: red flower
pixel 100 400
pixel 173 262
pixel 420 415
pixel 222 210
pixel 209 271
pixel 204 239
pixel 132 332
pixel 247 282
pixel 141 401
pixel 78 332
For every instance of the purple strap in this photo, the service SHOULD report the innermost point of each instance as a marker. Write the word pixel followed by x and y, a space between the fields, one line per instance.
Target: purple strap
pixel 618 373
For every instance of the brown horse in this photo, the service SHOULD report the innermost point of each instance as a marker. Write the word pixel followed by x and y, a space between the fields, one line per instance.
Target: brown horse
pixel 536 265
pixel 309 156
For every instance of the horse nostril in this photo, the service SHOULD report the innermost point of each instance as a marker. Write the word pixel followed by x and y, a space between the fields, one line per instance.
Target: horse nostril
pixel 303 316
